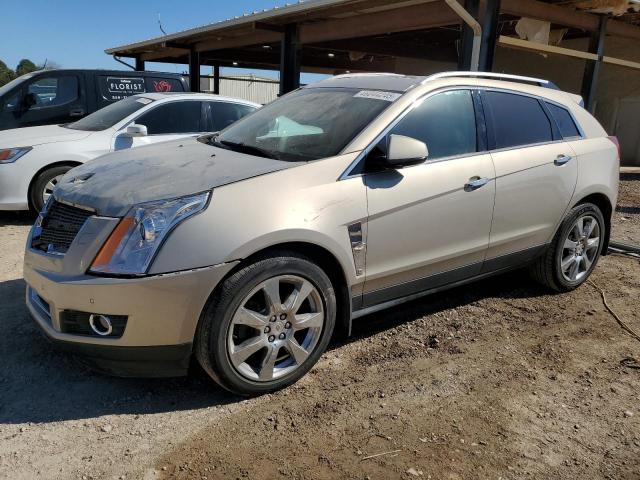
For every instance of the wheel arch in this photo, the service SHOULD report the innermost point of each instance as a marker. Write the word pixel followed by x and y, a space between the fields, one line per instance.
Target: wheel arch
pixel 324 259
pixel 603 202
pixel 60 163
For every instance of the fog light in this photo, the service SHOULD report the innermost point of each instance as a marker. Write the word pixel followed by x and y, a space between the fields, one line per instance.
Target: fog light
pixel 100 324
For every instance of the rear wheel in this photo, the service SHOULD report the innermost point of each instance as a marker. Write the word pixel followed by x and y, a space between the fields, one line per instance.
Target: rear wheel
pixel 267 325
pixel 45 182
pixel 575 250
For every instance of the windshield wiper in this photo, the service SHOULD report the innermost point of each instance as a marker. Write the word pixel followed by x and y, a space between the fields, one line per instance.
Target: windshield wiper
pixel 244 148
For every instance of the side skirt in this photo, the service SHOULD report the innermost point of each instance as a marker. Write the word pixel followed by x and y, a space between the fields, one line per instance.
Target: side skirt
pixel 438 283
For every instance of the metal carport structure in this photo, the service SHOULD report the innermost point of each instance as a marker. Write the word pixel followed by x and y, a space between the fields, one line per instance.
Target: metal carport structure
pixel 410 36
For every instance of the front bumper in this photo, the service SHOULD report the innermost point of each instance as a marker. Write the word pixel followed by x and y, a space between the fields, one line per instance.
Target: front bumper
pixel 162 314
pixel 14 185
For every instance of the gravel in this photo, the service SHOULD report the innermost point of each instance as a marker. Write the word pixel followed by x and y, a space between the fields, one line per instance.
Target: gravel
pixel 484 381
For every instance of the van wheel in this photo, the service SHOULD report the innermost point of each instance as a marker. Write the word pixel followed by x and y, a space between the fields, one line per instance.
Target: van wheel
pixel 42 187
pixel 575 250
pixel 267 324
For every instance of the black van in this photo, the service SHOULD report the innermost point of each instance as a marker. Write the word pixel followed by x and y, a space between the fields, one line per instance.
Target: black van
pixel 61 96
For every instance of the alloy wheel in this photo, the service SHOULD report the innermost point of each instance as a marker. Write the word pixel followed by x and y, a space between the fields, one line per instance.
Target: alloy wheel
pixel 270 337
pixel 48 188
pixel 580 248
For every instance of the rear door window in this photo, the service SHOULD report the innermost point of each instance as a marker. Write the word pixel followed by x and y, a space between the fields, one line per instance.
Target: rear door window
pixel 564 120
pixel 446 122
pixel 222 114
pixel 174 117
pixel 517 120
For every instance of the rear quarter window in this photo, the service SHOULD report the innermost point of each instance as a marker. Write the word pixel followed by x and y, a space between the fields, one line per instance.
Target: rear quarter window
pixel 564 120
pixel 517 120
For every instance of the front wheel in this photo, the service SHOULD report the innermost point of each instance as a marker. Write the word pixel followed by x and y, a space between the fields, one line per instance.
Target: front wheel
pixel 43 185
pixel 575 250
pixel 267 324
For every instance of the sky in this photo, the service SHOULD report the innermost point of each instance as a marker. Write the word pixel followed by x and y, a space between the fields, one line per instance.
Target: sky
pixel 75 33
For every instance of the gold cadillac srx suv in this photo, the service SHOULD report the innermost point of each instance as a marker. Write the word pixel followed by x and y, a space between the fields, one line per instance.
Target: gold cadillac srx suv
pixel 247 248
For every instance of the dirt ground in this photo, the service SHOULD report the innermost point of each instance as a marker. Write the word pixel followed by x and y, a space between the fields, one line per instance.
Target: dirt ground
pixel 499 379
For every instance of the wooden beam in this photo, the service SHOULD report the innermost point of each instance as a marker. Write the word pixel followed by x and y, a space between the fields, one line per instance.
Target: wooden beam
pixel 541 47
pixel 268 26
pixel 175 45
pixel 163 53
pixel 415 17
pixel 621 63
pixel 375 46
pixel 551 13
pixel 567 17
pixel 271 60
pixel 241 40
pixel 622 29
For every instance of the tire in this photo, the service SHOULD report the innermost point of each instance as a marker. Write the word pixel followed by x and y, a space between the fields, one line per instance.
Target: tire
pixel 247 342
pixel 42 183
pixel 564 267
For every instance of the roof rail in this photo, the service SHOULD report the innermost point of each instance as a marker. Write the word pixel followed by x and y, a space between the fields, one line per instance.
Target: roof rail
pixel 498 76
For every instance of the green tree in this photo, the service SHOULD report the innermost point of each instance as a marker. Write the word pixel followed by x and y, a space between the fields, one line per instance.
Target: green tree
pixel 25 66
pixel 6 74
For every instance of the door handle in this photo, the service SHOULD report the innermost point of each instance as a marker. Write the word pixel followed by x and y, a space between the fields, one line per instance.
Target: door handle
pixel 562 160
pixel 475 183
pixel 78 112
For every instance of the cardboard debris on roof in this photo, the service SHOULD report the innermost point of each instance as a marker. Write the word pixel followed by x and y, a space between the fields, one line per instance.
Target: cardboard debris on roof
pixel 614 7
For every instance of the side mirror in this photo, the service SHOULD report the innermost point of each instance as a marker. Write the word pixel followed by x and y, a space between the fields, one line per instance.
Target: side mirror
pixel 135 130
pixel 405 151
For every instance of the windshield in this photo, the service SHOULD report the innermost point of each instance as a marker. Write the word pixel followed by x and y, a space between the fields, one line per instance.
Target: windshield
pixel 110 115
pixel 16 81
pixel 308 124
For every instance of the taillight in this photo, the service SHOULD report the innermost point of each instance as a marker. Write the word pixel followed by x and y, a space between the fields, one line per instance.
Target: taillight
pixel 616 142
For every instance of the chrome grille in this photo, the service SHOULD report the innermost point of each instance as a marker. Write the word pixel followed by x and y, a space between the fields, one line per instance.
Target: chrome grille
pixel 58 227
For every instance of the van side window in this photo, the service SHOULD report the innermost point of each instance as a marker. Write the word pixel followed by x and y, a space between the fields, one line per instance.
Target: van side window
pixel 565 122
pixel 223 114
pixel 446 122
pixel 53 91
pixel 517 119
pixel 173 117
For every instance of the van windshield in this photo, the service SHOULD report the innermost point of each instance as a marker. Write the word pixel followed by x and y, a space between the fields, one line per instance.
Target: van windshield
pixel 308 124
pixel 108 116
pixel 16 81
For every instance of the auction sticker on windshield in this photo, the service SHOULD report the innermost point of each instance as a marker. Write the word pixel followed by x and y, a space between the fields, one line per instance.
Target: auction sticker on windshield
pixel 378 95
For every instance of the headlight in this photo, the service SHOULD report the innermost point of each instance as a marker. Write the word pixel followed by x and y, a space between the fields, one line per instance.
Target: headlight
pixel 131 247
pixel 10 155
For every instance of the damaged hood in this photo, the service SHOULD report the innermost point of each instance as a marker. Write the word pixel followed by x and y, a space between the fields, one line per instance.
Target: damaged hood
pixel 115 182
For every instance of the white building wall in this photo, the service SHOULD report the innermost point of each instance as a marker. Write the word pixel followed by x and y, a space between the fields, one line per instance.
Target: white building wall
pixel 248 87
